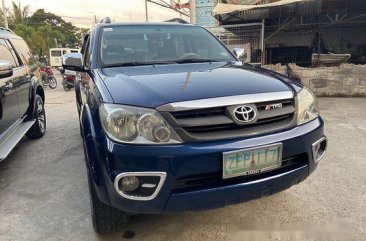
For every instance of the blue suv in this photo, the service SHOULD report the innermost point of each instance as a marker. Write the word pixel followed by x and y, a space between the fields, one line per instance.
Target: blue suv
pixel 172 121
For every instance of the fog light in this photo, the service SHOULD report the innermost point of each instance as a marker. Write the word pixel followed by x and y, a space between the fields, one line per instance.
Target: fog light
pixel 319 149
pixel 129 184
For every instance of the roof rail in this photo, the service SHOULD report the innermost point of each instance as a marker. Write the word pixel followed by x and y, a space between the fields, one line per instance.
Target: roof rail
pixel 106 20
pixel 177 20
pixel 6 29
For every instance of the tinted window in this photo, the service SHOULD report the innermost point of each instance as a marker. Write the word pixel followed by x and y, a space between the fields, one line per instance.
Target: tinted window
pixel 5 53
pixel 149 43
pixel 23 51
pixel 56 53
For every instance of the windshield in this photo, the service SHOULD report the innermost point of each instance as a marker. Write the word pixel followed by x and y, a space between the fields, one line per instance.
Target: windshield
pixel 149 44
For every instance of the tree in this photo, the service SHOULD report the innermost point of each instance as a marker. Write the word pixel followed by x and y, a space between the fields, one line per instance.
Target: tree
pixel 33 37
pixel 70 39
pixel 18 15
pixel 42 30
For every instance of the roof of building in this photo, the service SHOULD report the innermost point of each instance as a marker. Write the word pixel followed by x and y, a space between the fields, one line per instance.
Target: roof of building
pixel 235 12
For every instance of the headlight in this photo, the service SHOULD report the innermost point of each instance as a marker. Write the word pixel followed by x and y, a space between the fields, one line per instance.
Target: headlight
pixel 136 125
pixel 307 106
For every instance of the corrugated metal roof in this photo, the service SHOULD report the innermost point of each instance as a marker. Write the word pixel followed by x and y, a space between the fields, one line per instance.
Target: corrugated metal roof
pixel 314 7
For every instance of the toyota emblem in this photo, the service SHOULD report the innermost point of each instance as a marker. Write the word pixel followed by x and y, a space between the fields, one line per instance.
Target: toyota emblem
pixel 245 114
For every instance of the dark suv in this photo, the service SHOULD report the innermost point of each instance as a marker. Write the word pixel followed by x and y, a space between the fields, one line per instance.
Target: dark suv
pixel 172 121
pixel 21 92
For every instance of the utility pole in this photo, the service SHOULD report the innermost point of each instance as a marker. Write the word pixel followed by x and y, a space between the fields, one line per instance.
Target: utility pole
pixel 146 13
pixel 192 11
pixel 5 15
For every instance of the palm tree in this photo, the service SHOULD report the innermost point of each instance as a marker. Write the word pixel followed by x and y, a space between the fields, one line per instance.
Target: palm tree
pixel 2 20
pixel 19 15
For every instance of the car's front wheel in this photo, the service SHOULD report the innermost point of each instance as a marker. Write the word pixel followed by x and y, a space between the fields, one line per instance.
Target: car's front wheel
pixel 104 217
pixel 39 127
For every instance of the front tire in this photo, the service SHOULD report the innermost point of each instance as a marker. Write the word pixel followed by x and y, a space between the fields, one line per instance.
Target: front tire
pixel 39 127
pixel 52 82
pixel 104 217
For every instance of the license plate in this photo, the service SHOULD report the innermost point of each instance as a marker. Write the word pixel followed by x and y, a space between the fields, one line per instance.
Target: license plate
pixel 251 161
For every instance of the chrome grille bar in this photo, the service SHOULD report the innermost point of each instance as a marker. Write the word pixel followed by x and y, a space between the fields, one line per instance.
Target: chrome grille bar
pixel 225 101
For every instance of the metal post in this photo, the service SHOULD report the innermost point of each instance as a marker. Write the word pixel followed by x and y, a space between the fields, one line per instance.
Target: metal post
pixel 263 44
pixel 192 11
pixel 5 15
pixel 146 12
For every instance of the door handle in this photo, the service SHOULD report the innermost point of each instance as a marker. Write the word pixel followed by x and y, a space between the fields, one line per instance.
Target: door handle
pixel 8 86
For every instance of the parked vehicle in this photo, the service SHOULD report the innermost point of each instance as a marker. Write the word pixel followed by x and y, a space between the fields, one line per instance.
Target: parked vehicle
pixel 68 81
pixel 172 121
pixel 57 53
pixel 21 93
pixel 49 78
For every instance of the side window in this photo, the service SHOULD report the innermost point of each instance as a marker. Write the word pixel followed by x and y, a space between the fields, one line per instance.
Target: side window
pixel 23 51
pixel 6 54
pixel 56 53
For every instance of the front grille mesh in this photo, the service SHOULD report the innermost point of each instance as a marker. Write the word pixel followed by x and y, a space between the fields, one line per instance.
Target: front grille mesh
pixel 217 123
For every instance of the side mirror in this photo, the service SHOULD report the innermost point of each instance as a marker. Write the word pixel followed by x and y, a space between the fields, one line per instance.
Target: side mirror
pixel 73 61
pixel 6 69
pixel 239 52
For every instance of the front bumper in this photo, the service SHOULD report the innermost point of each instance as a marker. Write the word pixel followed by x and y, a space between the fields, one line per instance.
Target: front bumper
pixel 107 159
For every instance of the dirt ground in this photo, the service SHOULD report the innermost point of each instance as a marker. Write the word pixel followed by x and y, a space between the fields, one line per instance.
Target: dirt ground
pixel 44 194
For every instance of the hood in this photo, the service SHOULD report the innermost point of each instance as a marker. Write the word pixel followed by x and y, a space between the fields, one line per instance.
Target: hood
pixel 153 86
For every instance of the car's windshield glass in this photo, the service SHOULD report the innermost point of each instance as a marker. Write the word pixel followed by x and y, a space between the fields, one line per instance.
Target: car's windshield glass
pixel 149 44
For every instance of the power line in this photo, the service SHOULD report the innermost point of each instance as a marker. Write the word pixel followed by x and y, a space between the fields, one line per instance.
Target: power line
pixel 166 5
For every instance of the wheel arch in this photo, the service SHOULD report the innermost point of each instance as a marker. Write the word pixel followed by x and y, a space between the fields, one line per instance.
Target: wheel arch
pixel 93 157
pixel 35 89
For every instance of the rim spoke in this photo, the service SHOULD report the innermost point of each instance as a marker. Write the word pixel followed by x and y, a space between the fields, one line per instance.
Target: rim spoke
pixel 41 118
pixel 39 107
pixel 41 125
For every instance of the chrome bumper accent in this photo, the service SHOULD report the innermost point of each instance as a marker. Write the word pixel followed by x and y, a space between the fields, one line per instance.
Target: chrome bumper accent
pixel 162 176
pixel 316 160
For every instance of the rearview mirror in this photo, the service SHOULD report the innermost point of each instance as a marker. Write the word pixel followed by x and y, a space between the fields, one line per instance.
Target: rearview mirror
pixel 73 61
pixel 239 52
pixel 6 69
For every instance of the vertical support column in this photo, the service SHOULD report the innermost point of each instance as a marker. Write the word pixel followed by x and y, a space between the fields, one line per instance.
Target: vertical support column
pixel 146 12
pixel 192 11
pixel 5 15
pixel 263 44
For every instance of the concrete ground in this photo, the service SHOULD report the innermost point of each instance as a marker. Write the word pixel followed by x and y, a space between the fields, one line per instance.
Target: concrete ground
pixel 44 194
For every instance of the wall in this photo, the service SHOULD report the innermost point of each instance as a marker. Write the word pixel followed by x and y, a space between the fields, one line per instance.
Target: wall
pixel 346 80
pixel 204 13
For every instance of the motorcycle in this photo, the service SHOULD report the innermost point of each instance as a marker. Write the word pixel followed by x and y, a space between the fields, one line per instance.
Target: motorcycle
pixel 48 77
pixel 68 81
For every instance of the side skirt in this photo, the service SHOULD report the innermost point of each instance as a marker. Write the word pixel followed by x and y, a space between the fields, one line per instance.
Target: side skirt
pixel 11 138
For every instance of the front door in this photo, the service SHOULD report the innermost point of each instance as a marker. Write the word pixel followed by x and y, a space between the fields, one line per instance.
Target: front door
pixel 9 109
pixel 22 72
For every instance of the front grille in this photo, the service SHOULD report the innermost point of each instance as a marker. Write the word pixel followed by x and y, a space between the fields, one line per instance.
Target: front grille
pixel 218 124
pixel 213 180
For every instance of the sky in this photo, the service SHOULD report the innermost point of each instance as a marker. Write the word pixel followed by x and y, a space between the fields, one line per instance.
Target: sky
pixel 81 12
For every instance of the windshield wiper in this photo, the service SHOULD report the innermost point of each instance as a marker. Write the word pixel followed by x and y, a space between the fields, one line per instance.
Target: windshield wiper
pixel 137 64
pixel 193 60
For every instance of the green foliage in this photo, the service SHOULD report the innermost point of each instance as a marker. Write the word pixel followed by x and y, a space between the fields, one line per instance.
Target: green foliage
pixel 42 30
